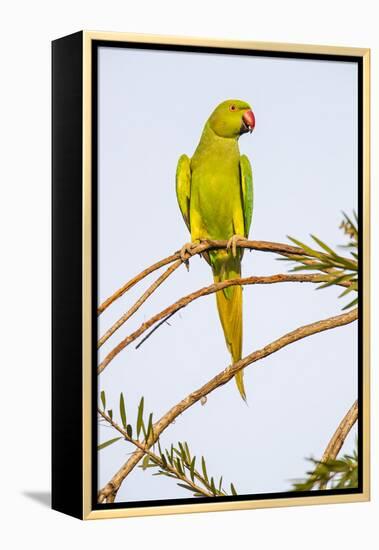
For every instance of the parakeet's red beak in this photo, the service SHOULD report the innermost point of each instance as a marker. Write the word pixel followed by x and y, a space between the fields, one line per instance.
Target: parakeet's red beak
pixel 248 119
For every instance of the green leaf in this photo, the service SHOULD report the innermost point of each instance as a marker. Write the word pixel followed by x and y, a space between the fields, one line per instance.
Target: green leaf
pixel 122 410
pixel 107 443
pixel 129 431
pixel 168 474
pixel 307 249
pixel 145 462
pixel 304 486
pixel 186 487
pixel 179 466
pixel 220 484
pixel 192 468
pixel 337 280
pixel 204 468
pixel 331 282
pixel 159 447
pixel 347 290
pixel 345 278
pixel 213 487
pixel 338 465
pixel 182 452
pixel 324 246
pixel 317 266
pixel 233 489
pixel 103 399
pixel 187 451
pixel 140 417
pixel 110 414
pixel 347 263
pixel 298 243
pixel 169 457
pixel 353 303
pixel 144 431
pixel 150 426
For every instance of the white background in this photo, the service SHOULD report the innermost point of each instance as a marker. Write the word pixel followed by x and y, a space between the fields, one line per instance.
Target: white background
pixel 27 28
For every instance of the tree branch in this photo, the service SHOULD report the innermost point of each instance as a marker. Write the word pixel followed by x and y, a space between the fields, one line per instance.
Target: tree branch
pixel 139 302
pixel 205 291
pixel 144 447
pixel 132 282
pixel 220 379
pixel 335 444
pixel 264 246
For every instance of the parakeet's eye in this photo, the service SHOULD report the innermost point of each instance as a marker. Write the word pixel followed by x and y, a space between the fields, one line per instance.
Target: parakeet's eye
pixel 232 108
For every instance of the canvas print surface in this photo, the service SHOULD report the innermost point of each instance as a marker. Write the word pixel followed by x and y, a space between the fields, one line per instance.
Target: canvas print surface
pixel 227 261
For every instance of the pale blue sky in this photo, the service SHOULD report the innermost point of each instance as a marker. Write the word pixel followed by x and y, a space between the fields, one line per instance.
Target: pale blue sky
pixel 152 108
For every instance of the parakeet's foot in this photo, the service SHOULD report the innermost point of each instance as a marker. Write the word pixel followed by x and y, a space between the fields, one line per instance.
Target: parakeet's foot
pixel 233 243
pixel 187 250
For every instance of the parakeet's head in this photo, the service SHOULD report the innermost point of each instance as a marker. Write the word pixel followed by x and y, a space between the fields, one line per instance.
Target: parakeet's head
pixel 232 118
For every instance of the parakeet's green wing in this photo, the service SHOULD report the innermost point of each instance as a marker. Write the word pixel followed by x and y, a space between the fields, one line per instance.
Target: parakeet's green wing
pixel 247 192
pixel 183 188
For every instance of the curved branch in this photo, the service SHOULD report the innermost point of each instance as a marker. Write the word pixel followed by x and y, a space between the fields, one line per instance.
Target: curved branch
pixel 220 379
pixel 127 286
pixel 263 246
pixel 205 291
pixel 335 444
pixel 139 303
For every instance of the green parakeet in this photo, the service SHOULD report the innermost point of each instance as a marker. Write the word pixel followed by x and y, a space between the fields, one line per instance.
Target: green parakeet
pixel 215 194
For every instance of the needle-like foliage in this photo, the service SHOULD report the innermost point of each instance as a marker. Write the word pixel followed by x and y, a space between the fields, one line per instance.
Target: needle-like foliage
pixel 339 473
pixel 178 463
pixel 340 269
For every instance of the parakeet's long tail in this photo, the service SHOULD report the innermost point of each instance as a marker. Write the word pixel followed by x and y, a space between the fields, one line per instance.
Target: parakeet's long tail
pixel 229 305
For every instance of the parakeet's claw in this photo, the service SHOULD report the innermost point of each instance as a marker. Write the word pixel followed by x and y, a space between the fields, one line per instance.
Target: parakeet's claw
pixel 233 243
pixel 186 251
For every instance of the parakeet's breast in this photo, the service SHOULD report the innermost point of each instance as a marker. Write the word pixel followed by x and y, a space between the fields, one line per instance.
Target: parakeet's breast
pixel 215 191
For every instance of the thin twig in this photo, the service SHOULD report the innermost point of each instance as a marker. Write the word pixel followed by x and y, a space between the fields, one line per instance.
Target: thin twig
pixel 203 246
pixel 139 303
pixel 144 447
pixel 220 379
pixel 127 286
pixel 165 320
pixel 205 291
